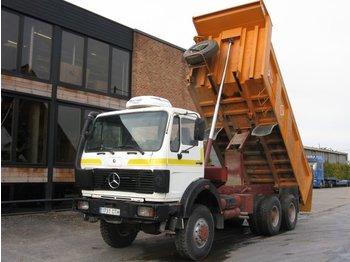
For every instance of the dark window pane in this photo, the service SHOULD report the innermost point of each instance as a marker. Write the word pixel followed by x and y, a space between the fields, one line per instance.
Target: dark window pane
pixel 9 40
pixel 187 131
pixel 175 135
pixel 36 56
pixel 97 66
pixel 68 132
pixel 120 72
pixel 72 53
pixel 6 127
pixel 32 132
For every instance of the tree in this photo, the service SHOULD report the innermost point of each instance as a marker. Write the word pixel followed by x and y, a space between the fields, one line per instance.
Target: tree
pixel 340 171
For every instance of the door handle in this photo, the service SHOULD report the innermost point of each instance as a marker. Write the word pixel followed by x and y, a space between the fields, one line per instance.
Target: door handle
pixel 199 163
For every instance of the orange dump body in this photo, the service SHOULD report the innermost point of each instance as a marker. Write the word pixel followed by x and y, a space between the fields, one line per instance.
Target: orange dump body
pixel 254 100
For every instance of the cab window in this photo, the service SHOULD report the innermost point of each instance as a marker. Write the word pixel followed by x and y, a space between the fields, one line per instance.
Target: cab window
pixel 187 131
pixel 175 135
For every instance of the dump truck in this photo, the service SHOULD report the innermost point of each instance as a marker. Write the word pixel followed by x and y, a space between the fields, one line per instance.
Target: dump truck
pixel 156 168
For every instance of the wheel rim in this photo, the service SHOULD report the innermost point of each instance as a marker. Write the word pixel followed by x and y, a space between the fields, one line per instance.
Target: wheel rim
pixel 275 216
pixel 292 212
pixel 201 233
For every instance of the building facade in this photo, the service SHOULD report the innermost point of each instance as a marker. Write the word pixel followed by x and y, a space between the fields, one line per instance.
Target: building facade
pixel 59 62
pixel 329 156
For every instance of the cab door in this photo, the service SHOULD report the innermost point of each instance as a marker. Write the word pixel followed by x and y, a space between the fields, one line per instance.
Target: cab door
pixel 185 156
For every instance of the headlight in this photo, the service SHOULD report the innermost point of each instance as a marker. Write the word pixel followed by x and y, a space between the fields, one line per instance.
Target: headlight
pixel 145 211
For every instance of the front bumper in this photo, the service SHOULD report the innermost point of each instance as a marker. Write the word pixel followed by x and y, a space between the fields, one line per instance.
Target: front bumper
pixel 128 210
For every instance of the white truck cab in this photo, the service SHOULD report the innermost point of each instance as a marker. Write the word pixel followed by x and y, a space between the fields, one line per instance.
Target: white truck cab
pixel 141 169
pixel 146 152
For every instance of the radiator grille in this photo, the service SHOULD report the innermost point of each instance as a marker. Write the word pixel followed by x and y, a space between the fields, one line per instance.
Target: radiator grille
pixel 138 181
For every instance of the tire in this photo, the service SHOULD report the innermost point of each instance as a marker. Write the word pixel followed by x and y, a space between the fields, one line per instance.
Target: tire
pixel 195 240
pixel 271 216
pixel 205 49
pixel 254 219
pixel 289 206
pixel 118 235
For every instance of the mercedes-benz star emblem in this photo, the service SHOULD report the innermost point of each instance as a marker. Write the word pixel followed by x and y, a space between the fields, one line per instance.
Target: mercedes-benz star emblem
pixel 113 180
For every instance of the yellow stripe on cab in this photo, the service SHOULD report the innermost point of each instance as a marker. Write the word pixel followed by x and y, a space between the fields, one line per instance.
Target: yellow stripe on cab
pixel 162 161
pixel 91 161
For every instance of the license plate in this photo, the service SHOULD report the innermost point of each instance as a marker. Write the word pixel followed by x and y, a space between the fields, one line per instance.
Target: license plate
pixel 110 211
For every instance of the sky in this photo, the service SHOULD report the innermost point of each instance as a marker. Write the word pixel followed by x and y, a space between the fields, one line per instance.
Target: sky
pixel 311 41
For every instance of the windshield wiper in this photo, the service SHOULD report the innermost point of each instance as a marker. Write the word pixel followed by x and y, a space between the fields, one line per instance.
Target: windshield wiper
pixel 108 149
pixel 136 147
pixel 101 148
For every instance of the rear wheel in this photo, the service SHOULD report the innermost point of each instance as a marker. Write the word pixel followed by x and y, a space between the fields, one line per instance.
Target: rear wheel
pixel 289 212
pixel 118 235
pixel 195 240
pixel 270 214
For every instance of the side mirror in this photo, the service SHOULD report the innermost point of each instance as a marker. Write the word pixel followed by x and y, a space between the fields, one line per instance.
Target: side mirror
pixel 199 128
pixel 88 125
pixel 86 131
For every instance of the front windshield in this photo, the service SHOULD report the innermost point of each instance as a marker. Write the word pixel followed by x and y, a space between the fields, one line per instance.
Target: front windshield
pixel 141 131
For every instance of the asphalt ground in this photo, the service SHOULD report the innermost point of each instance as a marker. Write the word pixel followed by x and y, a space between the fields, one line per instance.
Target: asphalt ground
pixel 323 235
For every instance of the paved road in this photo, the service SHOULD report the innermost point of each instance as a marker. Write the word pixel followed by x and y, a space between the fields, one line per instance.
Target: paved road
pixel 321 236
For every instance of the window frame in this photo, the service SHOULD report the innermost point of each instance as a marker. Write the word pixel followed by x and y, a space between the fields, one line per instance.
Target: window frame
pixel 22 26
pixel 19 39
pixel 84 109
pixel 128 96
pixel 17 72
pixel 56 46
pixel 83 86
pixel 14 135
pixel 106 61
pixel 60 59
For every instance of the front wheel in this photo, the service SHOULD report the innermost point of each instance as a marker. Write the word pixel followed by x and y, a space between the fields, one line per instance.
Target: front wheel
pixel 195 240
pixel 118 235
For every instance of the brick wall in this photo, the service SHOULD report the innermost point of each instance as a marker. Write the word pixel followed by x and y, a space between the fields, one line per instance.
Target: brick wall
pixel 159 70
